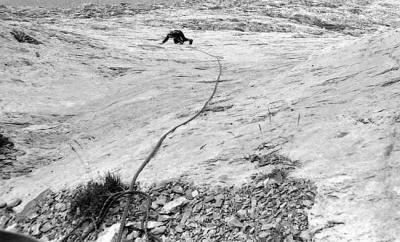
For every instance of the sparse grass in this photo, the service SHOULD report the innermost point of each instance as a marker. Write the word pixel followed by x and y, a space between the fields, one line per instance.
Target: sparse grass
pixel 88 199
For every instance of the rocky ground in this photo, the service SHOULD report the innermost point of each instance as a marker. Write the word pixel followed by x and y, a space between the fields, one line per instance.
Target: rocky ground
pixel 314 82
pixel 271 208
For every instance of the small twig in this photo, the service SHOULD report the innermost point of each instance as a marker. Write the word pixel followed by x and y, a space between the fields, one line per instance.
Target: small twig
pixel 269 115
pixel 259 126
pixel 85 164
pixel 298 120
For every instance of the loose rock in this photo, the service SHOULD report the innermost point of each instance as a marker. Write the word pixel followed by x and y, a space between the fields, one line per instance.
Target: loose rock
pixel 233 222
pixel 159 230
pixel 173 205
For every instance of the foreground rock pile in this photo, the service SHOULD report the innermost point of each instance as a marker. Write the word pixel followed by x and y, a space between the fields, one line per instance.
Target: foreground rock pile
pixel 45 217
pixel 271 207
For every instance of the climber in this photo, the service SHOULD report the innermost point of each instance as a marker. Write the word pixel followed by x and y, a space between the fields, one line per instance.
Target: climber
pixel 178 36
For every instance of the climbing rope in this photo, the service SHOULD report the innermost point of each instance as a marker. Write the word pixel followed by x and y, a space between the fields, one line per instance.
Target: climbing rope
pixel 132 188
pixel 160 141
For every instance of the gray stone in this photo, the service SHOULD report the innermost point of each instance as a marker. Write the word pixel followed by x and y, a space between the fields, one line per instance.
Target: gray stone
pixel 46 227
pixel 32 206
pixel 179 229
pixel 264 234
pixel 154 224
pixel 154 205
pixel 44 238
pixel 132 235
pixel 267 226
pixel 306 236
pixel 174 205
pixel 186 215
pixel 4 220
pixel 177 189
pixel 163 218
pixel 35 229
pixel 232 221
pixel 219 199
pixel 308 203
pixel 61 207
pixel 161 200
pixel 289 238
pixel 33 216
pixel 195 193
pixel 242 213
pixel 159 230
pixel 13 228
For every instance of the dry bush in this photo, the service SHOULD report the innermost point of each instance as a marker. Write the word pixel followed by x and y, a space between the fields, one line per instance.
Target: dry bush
pixel 88 199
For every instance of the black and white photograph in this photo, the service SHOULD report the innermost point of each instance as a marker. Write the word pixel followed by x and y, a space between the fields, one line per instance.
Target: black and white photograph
pixel 199 120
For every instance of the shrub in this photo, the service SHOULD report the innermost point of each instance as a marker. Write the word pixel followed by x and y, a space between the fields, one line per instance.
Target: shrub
pixel 88 199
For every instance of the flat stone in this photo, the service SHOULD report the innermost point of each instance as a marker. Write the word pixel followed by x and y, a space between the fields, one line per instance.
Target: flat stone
pixel 46 227
pixel 305 235
pixel 179 229
pixel 267 226
pixel 140 240
pixel 3 221
pixel 264 234
pixel 186 215
pixel 308 203
pixel 253 203
pixel 159 230
pixel 232 221
pixel 195 193
pixel 14 203
pixel 61 207
pixel 174 205
pixel 219 200
pixel 137 225
pixel 133 235
pixel 242 213
pixel 44 238
pixel 35 229
pixel 188 194
pixel 289 238
pixel 154 205
pixel 154 224
pixel 32 206
pixel 161 200
pixel 163 218
pixel 177 189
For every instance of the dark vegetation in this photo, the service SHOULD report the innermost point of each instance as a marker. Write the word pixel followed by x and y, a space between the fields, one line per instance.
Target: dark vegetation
pixel 5 143
pixel 89 198
pixel 7 156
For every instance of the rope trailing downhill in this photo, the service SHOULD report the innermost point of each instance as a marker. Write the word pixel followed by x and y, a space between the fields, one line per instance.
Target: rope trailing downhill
pixel 160 141
pixel 131 191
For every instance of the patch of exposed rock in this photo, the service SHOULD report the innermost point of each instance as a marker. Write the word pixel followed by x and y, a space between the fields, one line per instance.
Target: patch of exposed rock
pixel 270 207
